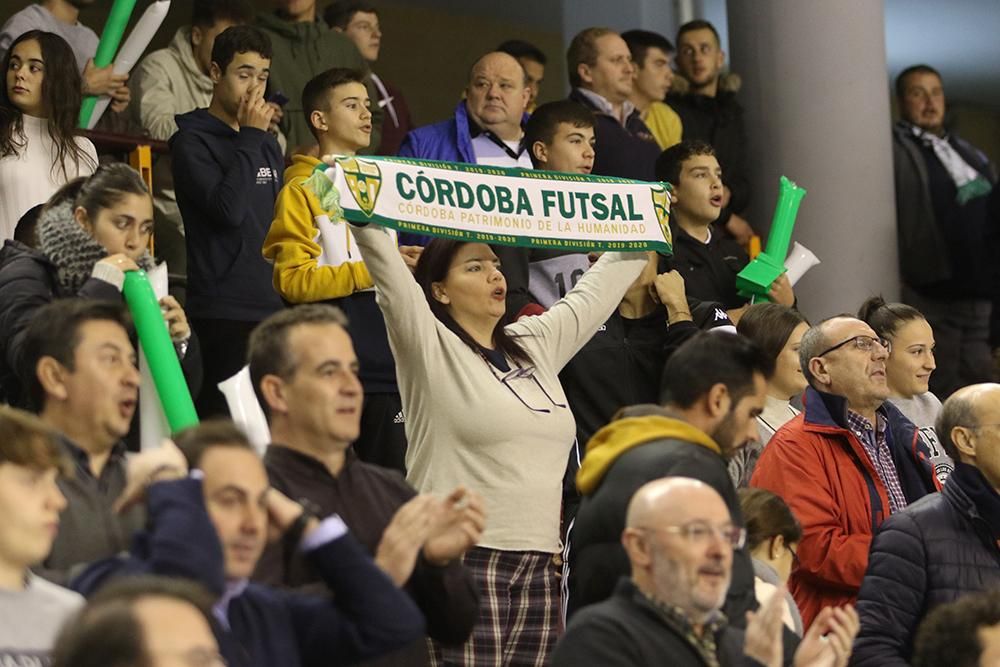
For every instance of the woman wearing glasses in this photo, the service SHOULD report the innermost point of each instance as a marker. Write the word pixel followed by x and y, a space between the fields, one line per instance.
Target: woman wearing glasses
pixel 773 535
pixel 908 370
pixel 484 408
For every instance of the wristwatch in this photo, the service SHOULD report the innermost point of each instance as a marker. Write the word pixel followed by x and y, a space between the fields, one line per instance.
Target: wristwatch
pixel 293 536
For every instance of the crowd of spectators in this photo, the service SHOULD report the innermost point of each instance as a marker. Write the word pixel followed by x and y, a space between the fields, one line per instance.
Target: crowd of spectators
pixel 477 454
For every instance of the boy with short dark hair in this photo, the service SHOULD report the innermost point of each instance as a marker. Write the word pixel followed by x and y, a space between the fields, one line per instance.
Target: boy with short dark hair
pixel 32 610
pixel 315 257
pixel 651 80
pixel 226 165
pixel 173 81
pixel 708 262
pixel 533 60
pixel 177 79
pixel 560 137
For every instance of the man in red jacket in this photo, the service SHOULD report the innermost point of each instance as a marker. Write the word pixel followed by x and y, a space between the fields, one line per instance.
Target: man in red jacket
pixel 845 464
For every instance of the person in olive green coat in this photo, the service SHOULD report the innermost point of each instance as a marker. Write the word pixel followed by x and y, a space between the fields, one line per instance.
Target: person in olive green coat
pixel 303 47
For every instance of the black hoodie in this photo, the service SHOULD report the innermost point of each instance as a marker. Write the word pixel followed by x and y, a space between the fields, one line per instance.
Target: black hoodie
pixel 226 183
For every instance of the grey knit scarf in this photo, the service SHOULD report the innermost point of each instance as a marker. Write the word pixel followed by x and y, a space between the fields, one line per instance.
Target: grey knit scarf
pixel 71 249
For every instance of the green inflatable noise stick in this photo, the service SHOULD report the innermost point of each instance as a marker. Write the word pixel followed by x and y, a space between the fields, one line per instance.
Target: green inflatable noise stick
pixel 756 277
pixel 111 37
pixel 159 350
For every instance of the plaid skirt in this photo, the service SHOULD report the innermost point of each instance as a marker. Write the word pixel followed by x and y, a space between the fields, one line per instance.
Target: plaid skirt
pixel 518 621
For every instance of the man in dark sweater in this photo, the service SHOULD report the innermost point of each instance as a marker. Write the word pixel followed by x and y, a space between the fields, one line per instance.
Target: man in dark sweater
pixel 304 370
pixel 212 527
pixel 227 174
pixel 681 540
pixel 78 367
pixel 948 239
pixel 600 72
pixel 710 114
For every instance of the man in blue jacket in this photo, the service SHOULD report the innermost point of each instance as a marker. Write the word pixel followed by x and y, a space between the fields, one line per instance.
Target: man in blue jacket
pixel 212 527
pixel 487 127
pixel 944 546
pixel 227 173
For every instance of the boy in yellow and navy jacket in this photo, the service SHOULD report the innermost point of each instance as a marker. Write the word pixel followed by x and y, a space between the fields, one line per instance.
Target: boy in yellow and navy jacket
pixel 316 259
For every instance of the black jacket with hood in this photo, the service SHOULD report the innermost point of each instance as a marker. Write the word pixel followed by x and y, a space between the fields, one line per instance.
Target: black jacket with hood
pixel 226 183
pixel 622 457
pixel 623 363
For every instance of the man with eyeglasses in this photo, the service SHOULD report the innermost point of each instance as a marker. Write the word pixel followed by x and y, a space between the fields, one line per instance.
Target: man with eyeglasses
pixel 943 547
pixel 847 462
pixel 680 540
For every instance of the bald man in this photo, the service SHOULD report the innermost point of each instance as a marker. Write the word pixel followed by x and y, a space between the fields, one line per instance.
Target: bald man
pixel 680 538
pixel 487 125
pixel 942 547
pixel 845 464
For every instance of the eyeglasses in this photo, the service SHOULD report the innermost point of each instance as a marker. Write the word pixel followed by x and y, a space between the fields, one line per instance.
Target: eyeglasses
pixel 863 343
pixel 795 556
pixel 523 373
pixel 699 533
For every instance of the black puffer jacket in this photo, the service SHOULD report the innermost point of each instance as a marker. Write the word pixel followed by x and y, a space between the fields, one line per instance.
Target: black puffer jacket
pixel 29 279
pixel 938 549
pixel 27 282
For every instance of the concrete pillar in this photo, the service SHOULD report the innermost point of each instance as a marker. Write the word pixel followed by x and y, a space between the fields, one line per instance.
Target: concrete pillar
pixel 817 110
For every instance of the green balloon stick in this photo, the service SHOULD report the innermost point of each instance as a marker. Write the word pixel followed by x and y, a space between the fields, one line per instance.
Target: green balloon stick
pixel 159 350
pixel 756 277
pixel 111 37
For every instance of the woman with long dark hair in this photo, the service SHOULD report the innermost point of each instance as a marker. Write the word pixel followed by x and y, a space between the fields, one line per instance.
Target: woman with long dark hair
pixel 40 149
pixel 484 408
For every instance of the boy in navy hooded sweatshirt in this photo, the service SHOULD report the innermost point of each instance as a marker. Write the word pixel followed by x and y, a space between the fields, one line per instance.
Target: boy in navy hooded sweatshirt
pixel 227 168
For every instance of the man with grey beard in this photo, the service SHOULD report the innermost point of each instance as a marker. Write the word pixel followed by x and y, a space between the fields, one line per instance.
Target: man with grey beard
pixel 680 540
